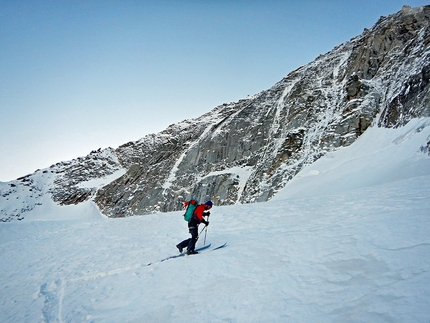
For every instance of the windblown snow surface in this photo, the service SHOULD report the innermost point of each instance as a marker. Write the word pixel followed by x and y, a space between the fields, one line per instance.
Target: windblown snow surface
pixel 347 240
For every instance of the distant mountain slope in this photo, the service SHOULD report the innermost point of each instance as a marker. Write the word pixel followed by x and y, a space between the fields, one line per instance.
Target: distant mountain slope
pixel 247 151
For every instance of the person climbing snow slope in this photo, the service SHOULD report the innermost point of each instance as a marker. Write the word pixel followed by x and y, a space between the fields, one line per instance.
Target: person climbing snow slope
pixel 193 225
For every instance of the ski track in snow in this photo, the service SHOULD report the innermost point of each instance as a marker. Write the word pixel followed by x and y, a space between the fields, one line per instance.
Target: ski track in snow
pixel 356 251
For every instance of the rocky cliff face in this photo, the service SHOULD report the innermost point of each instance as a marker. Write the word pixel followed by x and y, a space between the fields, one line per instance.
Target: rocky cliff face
pixel 246 151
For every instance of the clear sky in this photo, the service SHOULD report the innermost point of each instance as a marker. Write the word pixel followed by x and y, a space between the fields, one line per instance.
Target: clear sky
pixel 81 75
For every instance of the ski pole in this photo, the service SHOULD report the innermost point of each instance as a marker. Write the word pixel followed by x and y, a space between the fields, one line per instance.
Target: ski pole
pixel 206 232
pixel 201 232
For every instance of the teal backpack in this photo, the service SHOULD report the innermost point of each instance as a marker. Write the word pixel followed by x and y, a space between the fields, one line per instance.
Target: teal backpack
pixel 190 210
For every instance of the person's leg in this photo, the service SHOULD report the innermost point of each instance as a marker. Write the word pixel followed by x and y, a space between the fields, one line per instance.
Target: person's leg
pixel 183 244
pixel 193 240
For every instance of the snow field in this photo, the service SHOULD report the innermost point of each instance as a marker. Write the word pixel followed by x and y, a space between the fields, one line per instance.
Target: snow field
pixel 346 241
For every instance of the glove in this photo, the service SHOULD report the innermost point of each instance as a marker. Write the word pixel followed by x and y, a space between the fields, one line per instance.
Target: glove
pixel 205 222
pixel 207 213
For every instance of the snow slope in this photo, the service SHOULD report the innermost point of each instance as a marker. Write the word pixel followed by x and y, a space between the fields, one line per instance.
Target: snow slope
pixel 346 241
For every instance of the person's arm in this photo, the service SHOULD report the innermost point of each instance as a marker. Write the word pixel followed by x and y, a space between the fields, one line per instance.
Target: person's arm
pixel 206 221
pixel 199 213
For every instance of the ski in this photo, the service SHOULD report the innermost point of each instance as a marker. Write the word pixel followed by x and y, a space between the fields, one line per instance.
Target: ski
pixel 221 246
pixel 199 249
pixel 185 253
pixel 180 255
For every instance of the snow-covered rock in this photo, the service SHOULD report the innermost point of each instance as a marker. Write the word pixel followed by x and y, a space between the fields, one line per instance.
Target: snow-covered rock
pixel 380 77
pixel 247 151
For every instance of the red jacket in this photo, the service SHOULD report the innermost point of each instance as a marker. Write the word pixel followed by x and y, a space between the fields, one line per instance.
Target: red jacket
pixel 198 212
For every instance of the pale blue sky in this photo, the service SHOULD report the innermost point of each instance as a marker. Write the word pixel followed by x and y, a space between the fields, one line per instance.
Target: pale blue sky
pixel 81 75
